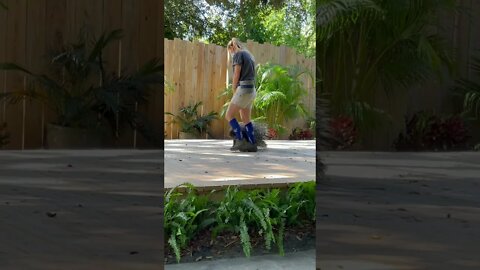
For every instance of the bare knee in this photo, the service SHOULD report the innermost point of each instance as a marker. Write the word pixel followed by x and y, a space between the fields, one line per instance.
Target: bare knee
pixel 228 116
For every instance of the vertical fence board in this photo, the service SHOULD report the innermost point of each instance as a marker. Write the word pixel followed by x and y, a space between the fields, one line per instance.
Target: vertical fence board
pixel 3 55
pixel 36 60
pixel 15 52
pixel 148 32
pixel 200 73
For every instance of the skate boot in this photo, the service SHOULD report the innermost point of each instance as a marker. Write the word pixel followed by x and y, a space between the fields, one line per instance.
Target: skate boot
pixel 248 147
pixel 237 145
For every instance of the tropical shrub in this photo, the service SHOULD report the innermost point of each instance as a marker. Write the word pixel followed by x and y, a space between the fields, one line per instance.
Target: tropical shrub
pixel 371 48
pixel 301 134
pixel 427 131
pixel 280 93
pixel 191 121
pixel 272 134
pixel 344 132
pixel 83 95
pixel 469 89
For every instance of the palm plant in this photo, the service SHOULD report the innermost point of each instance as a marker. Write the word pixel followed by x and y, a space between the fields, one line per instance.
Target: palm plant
pixel 470 90
pixel 83 95
pixel 279 95
pixel 372 47
pixel 190 121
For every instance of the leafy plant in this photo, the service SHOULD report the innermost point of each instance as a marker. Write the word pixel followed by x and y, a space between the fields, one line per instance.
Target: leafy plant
pixel 272 134
pixel 301 134
pixel 190 121
pixel 371 48
pixel 83 95
pixel 279 95
pixel 280 92
pixel 4 135
pixel 344 132
pixel 427 131
pixel 266 212
pixel 470 89
pixel 182 216
pixel 301 200
pixel 242 210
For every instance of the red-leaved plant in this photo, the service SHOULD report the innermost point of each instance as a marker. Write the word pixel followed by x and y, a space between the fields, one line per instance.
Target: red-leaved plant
pixel 426 131
pixel 272 134
pixel 343 131
pixel 301 134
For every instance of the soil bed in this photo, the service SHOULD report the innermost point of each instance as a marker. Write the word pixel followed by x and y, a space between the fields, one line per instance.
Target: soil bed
pixel 227 245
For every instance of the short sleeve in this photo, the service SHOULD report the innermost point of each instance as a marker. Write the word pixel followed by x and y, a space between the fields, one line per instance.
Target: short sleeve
pixel 238 59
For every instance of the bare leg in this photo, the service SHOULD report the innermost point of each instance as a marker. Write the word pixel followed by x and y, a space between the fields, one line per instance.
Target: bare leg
pixel 231 111
pixel 245 114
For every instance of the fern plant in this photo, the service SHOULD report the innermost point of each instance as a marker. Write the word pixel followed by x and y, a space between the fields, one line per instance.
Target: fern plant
pixel 183 217
pixel 230 215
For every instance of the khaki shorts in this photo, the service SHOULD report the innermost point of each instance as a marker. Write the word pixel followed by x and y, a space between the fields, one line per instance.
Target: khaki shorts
pixel 244 97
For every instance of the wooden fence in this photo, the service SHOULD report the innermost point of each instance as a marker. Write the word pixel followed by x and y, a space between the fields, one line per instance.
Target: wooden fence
pixel 30 28
pixel 200 72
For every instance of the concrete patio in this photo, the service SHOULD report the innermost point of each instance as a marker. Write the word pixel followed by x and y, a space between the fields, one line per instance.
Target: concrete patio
pixel 399 211
pixel 210 163
pixel 81 209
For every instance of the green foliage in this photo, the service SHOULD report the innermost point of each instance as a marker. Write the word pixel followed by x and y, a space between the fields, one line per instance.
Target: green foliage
pixel 182 215
pixel 266 212
pixel 83 95
pixel 279 22
pixel 470 90
pixel 372 47
pixel 185 19
pixel 301 201
pixel 190 121
pixel 3 6
pixel 279 95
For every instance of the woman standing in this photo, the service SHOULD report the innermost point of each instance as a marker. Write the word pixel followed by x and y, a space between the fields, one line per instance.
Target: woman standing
pixel 244 94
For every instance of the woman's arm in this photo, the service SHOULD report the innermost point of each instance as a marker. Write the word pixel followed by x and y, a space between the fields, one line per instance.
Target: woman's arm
pixel 236 76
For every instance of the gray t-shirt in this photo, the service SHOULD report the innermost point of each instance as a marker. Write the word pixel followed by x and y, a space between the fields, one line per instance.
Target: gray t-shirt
pixel 242 58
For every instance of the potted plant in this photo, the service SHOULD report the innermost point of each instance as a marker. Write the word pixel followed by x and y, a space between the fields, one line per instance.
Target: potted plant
pixel 89 104
pixel 192 125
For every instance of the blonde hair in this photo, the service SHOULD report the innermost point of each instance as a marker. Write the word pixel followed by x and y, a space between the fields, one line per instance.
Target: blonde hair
pixel 236 43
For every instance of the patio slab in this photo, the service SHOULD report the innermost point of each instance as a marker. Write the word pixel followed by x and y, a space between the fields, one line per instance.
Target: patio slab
pixel 210 163
pixel 379 210
pixel 104 206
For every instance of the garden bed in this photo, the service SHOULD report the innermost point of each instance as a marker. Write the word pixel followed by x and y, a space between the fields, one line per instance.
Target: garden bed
pixel 228 245
pixel 239 223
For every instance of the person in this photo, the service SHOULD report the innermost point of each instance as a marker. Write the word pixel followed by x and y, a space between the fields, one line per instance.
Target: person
pixel 243 85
